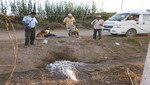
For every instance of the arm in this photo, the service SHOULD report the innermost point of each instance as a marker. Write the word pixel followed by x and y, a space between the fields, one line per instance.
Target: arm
pixel 24 20
pixel 36 22
pixel 74 21
pixel 93 22
pixel 64 21
pixel 102 23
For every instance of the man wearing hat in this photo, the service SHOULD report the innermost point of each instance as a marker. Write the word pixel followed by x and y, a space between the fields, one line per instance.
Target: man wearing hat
pixel 69 21
pixel 30 23
pixel 97 25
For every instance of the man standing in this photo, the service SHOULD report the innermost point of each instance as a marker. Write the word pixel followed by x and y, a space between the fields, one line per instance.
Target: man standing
pixel 98 25
pixel 30 23
pixel 69 21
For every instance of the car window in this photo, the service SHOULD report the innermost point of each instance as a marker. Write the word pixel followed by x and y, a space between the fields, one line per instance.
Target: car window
pixel 146 17
pixel 133 17
pixel 118 17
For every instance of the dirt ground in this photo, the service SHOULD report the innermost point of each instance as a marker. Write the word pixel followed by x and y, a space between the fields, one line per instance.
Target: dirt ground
pixel 108 59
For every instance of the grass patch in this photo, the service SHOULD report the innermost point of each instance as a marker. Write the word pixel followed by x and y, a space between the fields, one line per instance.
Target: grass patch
pixel 132 40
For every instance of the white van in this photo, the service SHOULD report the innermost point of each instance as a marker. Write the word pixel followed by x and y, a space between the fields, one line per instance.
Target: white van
pixel 129 22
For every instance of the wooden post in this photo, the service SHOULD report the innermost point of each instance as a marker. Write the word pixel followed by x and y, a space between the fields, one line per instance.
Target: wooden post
pixel 146 72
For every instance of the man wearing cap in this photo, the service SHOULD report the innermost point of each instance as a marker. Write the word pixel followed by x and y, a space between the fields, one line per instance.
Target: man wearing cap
pixel 97 25
pixel 69 21
pixel 30 23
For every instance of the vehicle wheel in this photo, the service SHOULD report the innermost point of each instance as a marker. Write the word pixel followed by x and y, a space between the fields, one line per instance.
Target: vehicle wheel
pixel 131 33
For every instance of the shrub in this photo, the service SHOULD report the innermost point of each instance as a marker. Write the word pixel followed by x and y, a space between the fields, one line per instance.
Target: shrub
pixel 55 25
pixel 87 24
pixel 18 26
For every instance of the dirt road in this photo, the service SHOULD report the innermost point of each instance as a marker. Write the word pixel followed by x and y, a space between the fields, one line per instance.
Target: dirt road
pixel 20 34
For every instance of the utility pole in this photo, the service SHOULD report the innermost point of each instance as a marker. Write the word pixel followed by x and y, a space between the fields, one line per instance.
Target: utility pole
pixel 146 72
pixel 121 4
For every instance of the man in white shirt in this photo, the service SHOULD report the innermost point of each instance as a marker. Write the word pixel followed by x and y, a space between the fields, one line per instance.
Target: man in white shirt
pixel 30 23
pixel 98 25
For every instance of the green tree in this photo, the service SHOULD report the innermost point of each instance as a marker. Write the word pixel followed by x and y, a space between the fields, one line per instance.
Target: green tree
pixel 93 10
pixel 13 7
pixel 34 6
pixel 22 7
pixel 3 6
pixel 29 6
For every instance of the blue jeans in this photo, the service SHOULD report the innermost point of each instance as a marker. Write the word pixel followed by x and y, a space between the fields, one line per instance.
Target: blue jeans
pixel 95 33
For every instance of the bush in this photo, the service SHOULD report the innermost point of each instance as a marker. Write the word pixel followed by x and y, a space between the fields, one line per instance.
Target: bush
pixel 87 24
pixel 2 26
pixel 106 15
pixel 55 25
pixel 18 26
